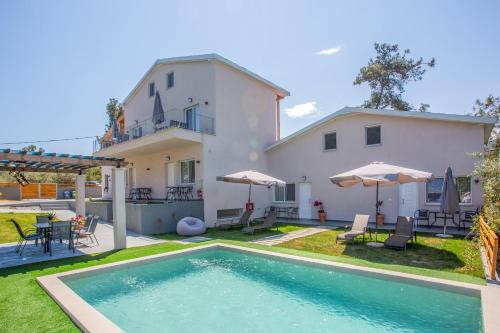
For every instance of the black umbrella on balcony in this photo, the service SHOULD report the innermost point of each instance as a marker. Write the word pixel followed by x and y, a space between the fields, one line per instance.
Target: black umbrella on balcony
pixel 158 115
pixel 115 131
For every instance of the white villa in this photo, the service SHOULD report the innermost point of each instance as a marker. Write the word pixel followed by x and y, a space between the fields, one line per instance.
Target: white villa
pixel 220 118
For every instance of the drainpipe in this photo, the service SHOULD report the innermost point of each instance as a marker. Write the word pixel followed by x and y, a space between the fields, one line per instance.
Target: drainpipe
pixel 278 126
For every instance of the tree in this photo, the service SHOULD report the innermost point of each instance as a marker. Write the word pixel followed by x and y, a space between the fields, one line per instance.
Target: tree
pixel 94 174
pixel 488 170
pixel 113 109
pixel 388 74
pixel 31 148
pixel 489 108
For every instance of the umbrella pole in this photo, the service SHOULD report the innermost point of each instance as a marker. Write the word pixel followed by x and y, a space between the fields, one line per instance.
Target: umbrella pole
pixel 376 243
pixel 249 191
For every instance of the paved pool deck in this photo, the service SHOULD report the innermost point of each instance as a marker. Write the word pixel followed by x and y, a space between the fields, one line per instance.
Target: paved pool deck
pixel 104 234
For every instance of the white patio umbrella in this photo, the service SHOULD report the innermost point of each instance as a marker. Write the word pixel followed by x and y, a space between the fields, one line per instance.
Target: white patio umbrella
pixel 251 177
pixel 450 199
pixel 379 173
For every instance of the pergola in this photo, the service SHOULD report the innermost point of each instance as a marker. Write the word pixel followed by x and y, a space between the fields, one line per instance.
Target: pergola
pixel 21 161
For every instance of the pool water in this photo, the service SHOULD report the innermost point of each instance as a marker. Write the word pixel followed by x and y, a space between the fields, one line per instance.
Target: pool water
pixel 218 290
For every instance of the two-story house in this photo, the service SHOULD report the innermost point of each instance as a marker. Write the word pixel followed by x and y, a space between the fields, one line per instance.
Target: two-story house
pixel 219 118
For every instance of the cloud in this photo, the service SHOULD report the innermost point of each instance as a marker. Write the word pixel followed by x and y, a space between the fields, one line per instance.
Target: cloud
pixel 301 110
pixel 329 52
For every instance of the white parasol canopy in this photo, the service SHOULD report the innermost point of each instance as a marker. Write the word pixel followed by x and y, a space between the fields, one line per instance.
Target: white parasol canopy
pixel 379 173
pixel 251 177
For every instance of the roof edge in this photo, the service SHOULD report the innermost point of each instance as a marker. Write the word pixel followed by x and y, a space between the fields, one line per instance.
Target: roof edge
pixel 204 57
pixel 487 121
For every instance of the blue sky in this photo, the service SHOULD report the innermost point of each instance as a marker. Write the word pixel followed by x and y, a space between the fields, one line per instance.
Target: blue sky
pixel 62 60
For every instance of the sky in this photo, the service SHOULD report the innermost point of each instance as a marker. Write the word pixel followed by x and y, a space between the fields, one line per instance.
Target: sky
pixel 62 60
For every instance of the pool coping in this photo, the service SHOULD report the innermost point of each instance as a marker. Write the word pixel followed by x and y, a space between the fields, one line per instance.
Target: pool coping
pixel 88 319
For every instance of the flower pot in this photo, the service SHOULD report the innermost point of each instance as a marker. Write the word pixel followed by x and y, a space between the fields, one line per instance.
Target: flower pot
pixel 322 217
pixel 380 219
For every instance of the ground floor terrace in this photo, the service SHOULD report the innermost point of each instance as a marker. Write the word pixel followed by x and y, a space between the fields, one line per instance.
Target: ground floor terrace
pixel 25 306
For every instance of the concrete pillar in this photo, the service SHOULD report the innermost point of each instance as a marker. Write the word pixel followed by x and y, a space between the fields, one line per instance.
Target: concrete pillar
pixel 80 195
pixel 119 217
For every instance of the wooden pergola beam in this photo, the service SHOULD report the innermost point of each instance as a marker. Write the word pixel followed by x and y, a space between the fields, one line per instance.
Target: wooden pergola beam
pixel 58 163
pixel 20 169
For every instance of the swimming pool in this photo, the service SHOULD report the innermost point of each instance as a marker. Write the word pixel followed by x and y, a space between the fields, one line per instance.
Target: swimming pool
pixel 219 289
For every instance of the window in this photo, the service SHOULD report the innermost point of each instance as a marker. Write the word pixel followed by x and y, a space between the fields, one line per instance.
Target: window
pixel 170 80
pixel 187 172
pixel 463 184
pixel 330 141
pixel 433 190
pixel 151 89
pixel 373 135
pixel 284 193
pixel 227 213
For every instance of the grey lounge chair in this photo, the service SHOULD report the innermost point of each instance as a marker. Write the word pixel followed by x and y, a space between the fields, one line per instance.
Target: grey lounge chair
pixel 359 228
pixel 242 221
pixel 404 232
pixel 269 222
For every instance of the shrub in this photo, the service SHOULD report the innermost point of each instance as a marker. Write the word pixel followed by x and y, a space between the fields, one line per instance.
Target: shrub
pixel 489 172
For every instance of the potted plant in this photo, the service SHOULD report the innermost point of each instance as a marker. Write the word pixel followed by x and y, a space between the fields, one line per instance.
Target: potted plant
pixel 51 216
pixel 321 211
pixel 79 221
pixel 380 216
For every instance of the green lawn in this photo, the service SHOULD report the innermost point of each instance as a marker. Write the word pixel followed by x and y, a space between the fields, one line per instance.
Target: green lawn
pixel 236 234
pixel 25 307
pixel 428 256
pixel 8 232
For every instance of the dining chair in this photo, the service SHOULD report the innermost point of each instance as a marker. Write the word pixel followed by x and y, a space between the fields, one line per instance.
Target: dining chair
pixel 25 236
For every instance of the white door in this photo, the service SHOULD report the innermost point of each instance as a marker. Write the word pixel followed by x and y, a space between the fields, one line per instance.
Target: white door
pixel 170 174
pixel 408 199
pixel 305 205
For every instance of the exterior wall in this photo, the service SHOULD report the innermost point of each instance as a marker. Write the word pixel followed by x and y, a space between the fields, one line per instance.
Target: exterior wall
pixel 191 80
pixel 161 218
pixel 149 218
pixel 149 169
pixel 245 125
pixel 244 112
pixel 419 144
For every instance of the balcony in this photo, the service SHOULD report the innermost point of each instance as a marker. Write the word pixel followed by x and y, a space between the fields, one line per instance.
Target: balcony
pixel 176 126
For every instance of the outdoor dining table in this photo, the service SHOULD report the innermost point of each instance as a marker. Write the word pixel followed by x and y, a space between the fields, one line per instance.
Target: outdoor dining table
pixel 183 192
pixel 443 216
pixel 44 227
pixel 140 193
